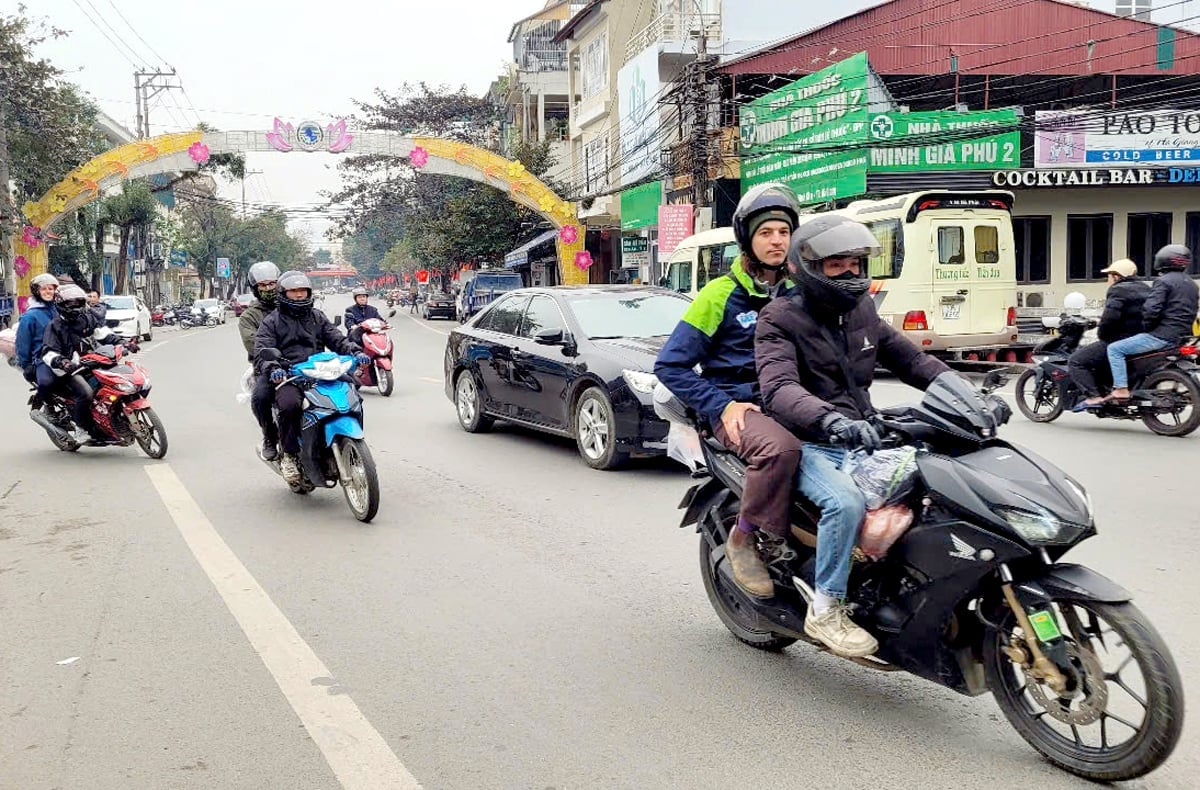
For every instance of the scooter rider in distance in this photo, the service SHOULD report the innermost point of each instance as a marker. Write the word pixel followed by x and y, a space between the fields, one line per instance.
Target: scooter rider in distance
pixel 262 279
pixel 816 352
pixel 717 334
pixel 358 312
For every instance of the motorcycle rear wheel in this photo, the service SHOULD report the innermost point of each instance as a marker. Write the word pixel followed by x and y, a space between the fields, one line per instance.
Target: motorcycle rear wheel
pixel 386 382
pixel 744 624
pixel 153 436
pixel 1044 406
pixel 1181 386
pixel 1108 632
pixel 362 489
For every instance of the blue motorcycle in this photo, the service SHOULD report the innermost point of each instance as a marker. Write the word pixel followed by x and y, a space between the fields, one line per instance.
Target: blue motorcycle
pixel 332 449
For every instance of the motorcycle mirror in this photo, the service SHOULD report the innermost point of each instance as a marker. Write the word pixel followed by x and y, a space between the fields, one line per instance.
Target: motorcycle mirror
pixel 994 380
pixel 391 314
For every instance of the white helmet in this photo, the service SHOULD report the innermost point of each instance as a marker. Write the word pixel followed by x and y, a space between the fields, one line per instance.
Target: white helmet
pixel 1074 302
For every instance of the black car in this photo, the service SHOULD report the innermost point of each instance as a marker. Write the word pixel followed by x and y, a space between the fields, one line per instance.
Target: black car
pixel 572 361
pixel 438 304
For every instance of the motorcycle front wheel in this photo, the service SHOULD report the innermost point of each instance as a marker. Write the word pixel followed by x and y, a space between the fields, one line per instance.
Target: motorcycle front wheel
pixel 1038 404
pixel 1109 726
pixel 361 487
pixel 386 382
pixel 149 431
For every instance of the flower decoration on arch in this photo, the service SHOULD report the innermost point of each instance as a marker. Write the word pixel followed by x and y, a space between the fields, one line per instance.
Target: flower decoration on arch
pixel 516 170
pixel 22 304
pixel 199 152
pixel 21 266
pixel 583 260
pixel 568 234
pixel 419 157
pixel 31 236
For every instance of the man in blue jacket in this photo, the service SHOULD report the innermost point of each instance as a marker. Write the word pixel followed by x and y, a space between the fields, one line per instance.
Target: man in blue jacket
pixel 717 334
pixel 32 329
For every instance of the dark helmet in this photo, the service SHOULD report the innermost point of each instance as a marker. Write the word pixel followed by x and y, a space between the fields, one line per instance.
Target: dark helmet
pixel 71 302
pixel 360 291
pixel 263 272
pixel 762 203
pixel 831 236
pixel 1173 258
pixel 290 281
pixel 35 286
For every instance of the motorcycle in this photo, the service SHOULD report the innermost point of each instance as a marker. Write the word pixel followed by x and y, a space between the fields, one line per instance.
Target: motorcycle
pixel 332 448
pixel 158 316
pixel 974 595
pixel 189 317
pixel 120 407
pixel 1164 393
pixel 377 345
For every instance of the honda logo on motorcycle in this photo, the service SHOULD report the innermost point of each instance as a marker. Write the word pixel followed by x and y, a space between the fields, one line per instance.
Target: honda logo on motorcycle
pixel 962 549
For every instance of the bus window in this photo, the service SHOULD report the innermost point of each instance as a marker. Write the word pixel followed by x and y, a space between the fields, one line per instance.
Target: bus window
pixel 702 267
pixel 950 245
pixel 680 277
pixel 987 244
pixel 888 264
pixel 728 256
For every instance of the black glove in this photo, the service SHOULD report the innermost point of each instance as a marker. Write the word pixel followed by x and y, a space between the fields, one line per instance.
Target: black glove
pixel 68 366
pixel 1001 412
pixel 851 434
pixel 30 374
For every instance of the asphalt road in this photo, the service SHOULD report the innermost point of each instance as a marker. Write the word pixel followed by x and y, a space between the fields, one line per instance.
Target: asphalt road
pixel 512 619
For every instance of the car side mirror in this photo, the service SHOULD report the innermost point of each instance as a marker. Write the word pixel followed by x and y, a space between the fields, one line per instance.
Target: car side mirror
pixel 549 337
pixel 337 320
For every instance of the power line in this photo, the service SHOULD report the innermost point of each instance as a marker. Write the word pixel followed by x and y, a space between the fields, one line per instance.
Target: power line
pixel 117 47
pixel 161 59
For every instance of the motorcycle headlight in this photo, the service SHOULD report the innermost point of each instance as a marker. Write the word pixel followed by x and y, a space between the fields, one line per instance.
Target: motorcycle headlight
pixel 1039 527
pixel 125 386
pixel 1040 358
pixel 640 381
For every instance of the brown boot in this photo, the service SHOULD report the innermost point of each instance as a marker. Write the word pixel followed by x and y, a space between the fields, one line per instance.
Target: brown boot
pixel 748 569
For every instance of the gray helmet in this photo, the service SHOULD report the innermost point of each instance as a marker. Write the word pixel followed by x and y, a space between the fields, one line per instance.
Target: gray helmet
pixel 262 272
pixel 1173 258
pixel 763 202
pixel 71 301
pixel 291 281
pixel 831 236
pixel 35 285
pixel 360 291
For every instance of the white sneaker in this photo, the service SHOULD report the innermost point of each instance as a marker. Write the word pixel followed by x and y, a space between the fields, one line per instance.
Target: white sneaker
pixel 290 468
pixel 837 631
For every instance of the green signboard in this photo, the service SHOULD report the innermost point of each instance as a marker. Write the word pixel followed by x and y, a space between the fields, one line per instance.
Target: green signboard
pixel 938 142
pixel 815 178
pixel 639 206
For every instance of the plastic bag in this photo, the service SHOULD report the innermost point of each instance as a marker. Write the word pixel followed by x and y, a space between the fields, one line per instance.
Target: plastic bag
pixel 8 344
pixel 683 444
pixel 886 476
pixel 247 383
pixel 882 528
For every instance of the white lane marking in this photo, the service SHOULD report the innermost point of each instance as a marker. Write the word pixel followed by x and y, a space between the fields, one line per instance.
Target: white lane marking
pixel 357 753
pixel 424 325
pixel 431 380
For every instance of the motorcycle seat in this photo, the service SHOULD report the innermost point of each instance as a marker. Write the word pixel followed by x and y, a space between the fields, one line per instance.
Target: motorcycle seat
pixel 804 514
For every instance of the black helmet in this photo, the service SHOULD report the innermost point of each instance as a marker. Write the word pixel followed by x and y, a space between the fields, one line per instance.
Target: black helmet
pixel 71 302
pixel 831 236
pixel 1173 258
pixel 35 286
pixel 360 291
pixel 262 272
pixel 290 281
pixel 763 202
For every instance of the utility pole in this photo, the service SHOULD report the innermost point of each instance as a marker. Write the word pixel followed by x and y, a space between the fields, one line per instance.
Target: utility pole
pixel 244 174
pixel 698 95
pixel 7 210
pixel 147 85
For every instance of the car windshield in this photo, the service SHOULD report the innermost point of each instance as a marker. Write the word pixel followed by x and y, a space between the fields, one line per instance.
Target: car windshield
pixel 486 283
pixel 118 302
pixel 632 315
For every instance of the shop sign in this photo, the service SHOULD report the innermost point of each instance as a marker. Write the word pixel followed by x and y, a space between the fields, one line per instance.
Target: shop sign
pixel 1107 177
pixel 1128 137
pixel 945 149
pixel 675 223
pixel 635 251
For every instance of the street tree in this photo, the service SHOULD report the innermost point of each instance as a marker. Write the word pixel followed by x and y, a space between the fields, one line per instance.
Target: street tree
pixel 134 207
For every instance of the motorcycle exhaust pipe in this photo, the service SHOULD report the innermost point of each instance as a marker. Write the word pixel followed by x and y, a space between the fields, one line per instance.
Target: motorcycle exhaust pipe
pixel 55 432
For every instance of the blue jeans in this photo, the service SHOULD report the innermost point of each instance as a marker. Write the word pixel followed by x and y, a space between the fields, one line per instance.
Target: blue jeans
pixel 842 511
pixel 1138 344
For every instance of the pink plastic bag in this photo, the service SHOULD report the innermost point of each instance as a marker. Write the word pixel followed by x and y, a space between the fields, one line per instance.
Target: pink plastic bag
pixel 882 528
pixel 8 343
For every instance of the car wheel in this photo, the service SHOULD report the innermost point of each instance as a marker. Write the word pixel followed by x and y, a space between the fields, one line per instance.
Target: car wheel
pixel 149 334
pixel 596 430
pixel 468 403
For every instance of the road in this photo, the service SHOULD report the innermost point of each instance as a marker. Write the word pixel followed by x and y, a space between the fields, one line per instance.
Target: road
pixel 511 619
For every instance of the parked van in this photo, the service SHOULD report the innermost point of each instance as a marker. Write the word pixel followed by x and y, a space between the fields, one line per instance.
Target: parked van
pixel 946 276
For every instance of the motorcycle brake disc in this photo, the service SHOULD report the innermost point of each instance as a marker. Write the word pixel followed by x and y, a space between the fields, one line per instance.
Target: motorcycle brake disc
pixel 1081 709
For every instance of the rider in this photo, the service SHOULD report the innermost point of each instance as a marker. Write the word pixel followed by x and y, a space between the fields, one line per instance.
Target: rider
pixel 297 331
pixel 96 304
pixel 31 331
pixel 262 278
pixel 816 352
pixel 717 334
pixel 69 336
pixel 358 312
pixel 1122 318
pixel 1168 315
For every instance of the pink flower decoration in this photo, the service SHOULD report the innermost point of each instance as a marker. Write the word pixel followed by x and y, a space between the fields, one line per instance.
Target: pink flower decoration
pixel 339 138
pixel 21 266
pixel 419 157
pixel 583 260
pixel 280 139
pixel 22 304
pixel 31 236
pixel 569 234
pixel 198 151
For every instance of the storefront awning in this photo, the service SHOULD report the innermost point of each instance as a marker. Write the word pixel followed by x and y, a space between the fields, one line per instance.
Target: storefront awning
pixel 520 256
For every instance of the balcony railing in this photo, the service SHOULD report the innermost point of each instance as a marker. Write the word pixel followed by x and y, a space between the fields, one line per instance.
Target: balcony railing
pixel 674 27
pixel 542 59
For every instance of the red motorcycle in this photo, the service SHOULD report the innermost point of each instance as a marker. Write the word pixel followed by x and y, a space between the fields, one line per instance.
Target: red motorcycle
pixel 373 337
pixel 120 408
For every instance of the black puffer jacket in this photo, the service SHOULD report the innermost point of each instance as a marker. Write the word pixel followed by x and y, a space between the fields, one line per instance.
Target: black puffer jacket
pixel 63 339
pixel 298 338
pixel 1123 306
pixel 798 369
pixel 1171 309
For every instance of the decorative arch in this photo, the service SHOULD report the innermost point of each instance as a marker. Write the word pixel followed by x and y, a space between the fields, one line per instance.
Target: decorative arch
pixel 188 150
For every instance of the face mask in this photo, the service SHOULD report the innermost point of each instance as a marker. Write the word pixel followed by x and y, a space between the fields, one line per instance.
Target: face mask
pixel 846 276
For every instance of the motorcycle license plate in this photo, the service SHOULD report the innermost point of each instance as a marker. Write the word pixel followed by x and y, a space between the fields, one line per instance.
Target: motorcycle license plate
pixel 1044 626
pixel 952 312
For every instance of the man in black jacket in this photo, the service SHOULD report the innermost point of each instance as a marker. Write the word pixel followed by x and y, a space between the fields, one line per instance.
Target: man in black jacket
pixel 816 353
pixel 1122 318
pixel 262 278
pixel 1168 316
pixel 297 331
pixel 358 312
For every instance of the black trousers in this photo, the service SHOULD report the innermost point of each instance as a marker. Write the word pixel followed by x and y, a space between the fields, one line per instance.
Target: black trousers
pixel 1086 363
pixel 81 411
pixel 260 404
pixel 290 400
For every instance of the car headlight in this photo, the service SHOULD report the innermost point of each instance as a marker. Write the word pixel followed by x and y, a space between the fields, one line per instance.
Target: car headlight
pixel 640 381
pixel 1040 527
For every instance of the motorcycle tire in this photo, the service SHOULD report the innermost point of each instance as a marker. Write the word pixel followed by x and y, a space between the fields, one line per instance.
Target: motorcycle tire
pixel 154 441
pixel 1182 383
pixel 362 493
pixel 1051 406
pixel 386 382
pixel 1128 632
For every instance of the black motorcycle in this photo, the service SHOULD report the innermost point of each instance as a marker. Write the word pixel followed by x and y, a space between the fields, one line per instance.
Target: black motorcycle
pixel 1164 393
pixel 974 595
